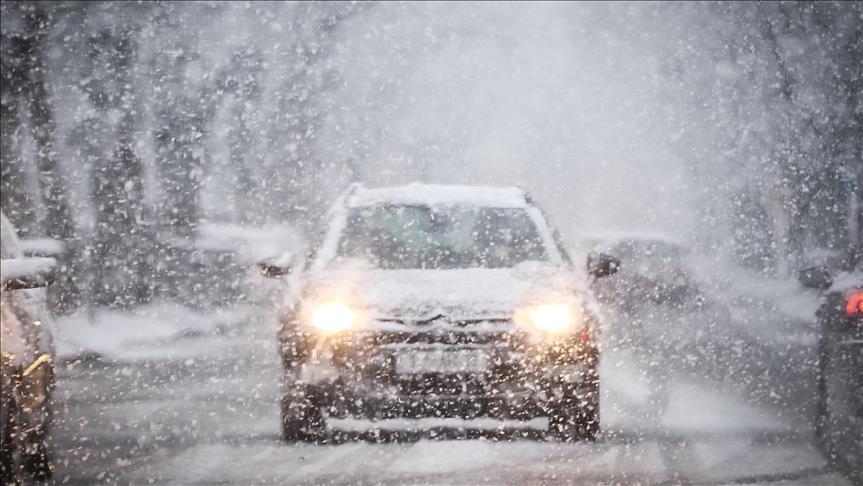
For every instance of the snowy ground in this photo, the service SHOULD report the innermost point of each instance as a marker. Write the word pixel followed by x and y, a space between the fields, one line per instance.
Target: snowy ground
pixel 183 398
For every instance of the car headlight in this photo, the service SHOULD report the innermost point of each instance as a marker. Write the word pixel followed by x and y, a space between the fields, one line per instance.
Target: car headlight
pixel 333 317
pixel 549 318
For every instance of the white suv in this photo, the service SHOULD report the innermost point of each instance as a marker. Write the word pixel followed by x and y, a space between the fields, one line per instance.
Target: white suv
pixel 429 307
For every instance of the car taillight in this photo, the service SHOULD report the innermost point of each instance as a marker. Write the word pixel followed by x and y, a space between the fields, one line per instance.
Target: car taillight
pixel 584 335
pixel 854 306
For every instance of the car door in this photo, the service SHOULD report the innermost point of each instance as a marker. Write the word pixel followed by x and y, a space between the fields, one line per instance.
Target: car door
pixel 26 340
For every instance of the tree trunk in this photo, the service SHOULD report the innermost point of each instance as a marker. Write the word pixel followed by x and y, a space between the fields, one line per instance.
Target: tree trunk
pixel 17 202
pixel 58 222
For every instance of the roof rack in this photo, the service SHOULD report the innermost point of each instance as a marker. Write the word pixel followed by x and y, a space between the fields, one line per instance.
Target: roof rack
pixel 353 187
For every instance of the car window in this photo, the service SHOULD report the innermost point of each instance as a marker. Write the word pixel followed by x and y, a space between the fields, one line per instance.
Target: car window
pixel 402 237
pixel 649 257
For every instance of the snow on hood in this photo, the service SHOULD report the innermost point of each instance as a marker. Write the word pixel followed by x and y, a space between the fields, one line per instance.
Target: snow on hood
pixel 459 294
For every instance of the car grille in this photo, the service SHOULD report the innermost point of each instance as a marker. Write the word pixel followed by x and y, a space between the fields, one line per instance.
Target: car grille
pixel 484 332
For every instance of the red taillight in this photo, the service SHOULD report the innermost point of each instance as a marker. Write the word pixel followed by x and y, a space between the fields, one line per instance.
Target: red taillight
pixel 854 307
pixel 584 335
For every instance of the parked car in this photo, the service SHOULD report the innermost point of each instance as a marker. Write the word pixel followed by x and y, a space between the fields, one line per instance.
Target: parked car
pixel 27 372
pixel 660 308
pixel 426 307
pixel 654 270
pixel 839 409
pixel 657 301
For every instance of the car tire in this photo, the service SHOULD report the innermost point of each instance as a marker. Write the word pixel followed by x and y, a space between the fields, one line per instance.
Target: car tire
pixel 302 420
pixel 37 462
pixel 821 407
pixel 575 416
pixel 8 444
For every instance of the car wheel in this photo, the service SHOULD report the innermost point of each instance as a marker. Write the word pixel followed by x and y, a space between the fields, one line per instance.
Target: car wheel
pixel 301 418
pixel 36 461
pixel 821 410
pixel 7 444
pixel 574 416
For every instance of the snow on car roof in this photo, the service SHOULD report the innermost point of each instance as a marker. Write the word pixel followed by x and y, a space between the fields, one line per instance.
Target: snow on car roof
pixel 439 195
pixel 613 237
pixel 17 268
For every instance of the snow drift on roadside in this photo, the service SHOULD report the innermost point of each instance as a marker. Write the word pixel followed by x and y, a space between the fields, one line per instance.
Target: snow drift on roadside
pixel 151 331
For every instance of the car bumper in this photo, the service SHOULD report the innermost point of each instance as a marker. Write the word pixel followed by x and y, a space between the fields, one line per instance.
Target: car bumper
pixel 359 377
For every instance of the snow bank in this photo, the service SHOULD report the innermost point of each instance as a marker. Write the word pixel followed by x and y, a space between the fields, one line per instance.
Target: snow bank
pixel 150 332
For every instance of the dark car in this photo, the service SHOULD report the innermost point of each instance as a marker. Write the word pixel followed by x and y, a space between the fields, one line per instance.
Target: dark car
pixel 661 308
pixel 654 271
pixel 27 371
pixel 429 307
pixel 839 409
pixel 660 305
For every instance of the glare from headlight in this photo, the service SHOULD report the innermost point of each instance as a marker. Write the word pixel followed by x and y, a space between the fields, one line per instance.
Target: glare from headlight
pixel 333 317
pixel 550 318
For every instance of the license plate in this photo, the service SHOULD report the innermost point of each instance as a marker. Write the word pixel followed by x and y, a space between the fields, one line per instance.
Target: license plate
pixel 449 362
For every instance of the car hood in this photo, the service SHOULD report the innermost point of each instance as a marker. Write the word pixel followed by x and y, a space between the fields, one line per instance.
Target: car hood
pixel 462 294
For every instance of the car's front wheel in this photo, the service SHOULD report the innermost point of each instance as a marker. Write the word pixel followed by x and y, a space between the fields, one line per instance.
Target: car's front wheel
pixel 574 413
pixel 36 461
pixel 302 420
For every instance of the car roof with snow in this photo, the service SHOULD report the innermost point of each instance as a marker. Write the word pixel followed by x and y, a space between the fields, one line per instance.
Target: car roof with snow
pixel 646 237
pixel 438 195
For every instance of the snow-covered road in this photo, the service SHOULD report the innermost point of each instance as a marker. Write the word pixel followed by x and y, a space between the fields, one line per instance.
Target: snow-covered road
pixel 202 409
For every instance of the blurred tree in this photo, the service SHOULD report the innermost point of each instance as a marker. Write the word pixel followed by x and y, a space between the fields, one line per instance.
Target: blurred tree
pixel 773 120
pixel 185 106
pixel 180 155
pixel 26 95
pixel 123 242
pixel 24 88
pixel 818 56
pixel 58 221
pixel 15 197
pixel 296 193
pixel 242 81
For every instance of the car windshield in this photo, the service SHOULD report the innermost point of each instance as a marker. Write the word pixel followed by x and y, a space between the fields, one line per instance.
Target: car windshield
pixel 652 251
pixel 649 256
pixel 405 237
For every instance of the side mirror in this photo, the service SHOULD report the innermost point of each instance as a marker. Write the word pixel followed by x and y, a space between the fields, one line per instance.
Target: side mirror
pixel 27 273
pixel 815 278
pixel 602 264
pixel 277 267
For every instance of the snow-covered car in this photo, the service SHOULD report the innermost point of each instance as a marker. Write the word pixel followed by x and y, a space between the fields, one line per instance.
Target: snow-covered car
pixel 27 372
pixel 428 307
pixel 839 407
